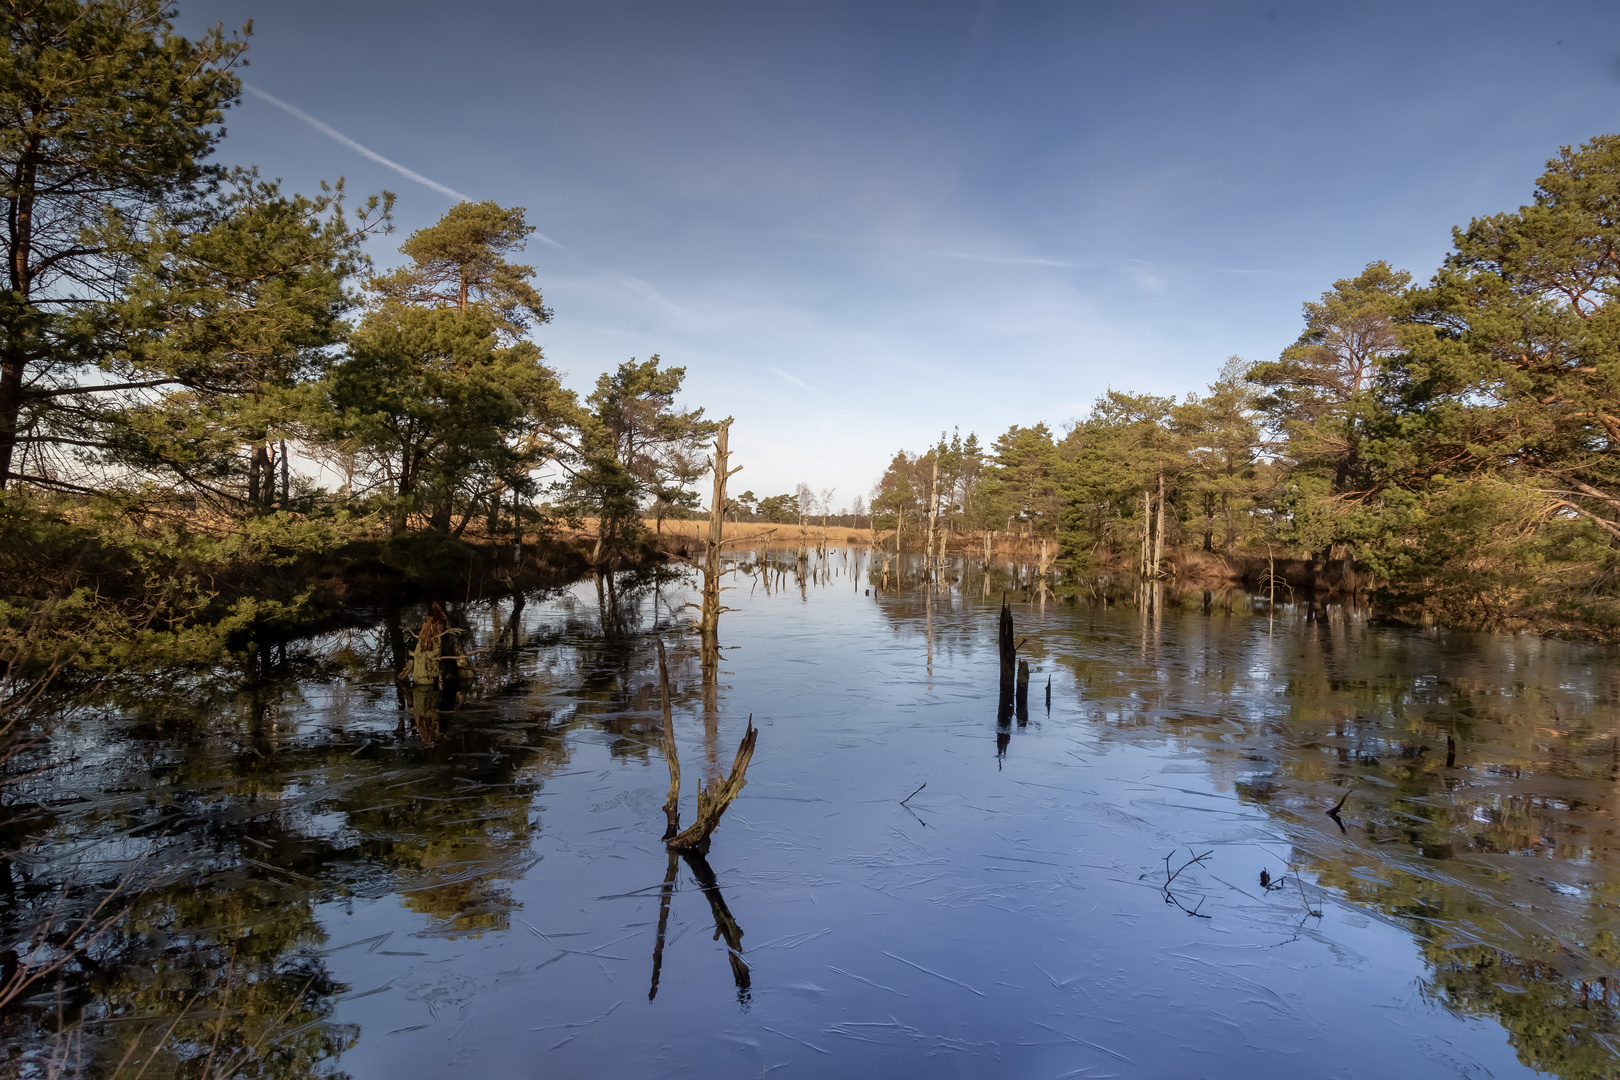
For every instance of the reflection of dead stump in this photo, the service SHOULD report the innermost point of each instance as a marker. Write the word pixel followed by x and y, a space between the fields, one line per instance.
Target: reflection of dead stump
pixel 663 918
pixel 725 925
pixel 672 803
pixel 711 802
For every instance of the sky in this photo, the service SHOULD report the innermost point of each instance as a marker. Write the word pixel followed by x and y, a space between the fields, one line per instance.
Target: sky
pixel 858 225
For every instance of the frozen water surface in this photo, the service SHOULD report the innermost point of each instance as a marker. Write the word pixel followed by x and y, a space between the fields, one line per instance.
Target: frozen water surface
pixel 338 880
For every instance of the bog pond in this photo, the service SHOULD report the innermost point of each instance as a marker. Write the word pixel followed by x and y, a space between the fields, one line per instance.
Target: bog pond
pixel 1139 878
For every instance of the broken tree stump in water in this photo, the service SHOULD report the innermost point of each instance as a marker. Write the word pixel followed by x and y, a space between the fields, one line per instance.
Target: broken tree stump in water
pixel 712 802
pixel 1009 650
pixel 1022 696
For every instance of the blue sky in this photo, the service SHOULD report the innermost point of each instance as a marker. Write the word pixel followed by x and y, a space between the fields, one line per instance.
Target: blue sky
pixel 859 224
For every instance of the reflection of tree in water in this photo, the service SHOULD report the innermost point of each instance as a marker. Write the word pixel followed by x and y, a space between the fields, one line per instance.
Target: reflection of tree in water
pixel 1502 864
pixel 234 776
pixel 227 962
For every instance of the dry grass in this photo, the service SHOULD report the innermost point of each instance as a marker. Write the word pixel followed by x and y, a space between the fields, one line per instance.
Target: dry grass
pixel 695 531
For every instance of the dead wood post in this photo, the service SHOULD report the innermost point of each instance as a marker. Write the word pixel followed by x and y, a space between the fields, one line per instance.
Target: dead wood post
pixel 712 802
pixel 1022 695
pixel 1158 537
pixel 672 803
pixel 1009 651
pixel 933 514
pixel 710 618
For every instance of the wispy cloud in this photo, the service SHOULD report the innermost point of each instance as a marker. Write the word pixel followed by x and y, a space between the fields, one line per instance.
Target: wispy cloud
pixel 1011 260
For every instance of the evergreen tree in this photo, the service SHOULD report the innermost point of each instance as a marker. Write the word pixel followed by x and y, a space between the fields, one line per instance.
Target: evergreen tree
pixel 1320 388
pixel 106 117
pixel 1220 436
pixel 461 260
pixel 1116 458
pixel 453 406
pixel 1026 479
pixel 637 448
pixel 239 309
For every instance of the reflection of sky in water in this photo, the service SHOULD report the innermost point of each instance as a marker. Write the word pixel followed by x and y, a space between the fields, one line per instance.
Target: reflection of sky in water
pixel 1008 921
pixel 1004 929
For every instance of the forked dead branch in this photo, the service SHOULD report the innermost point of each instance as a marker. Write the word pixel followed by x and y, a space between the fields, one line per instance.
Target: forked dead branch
pixel 711 801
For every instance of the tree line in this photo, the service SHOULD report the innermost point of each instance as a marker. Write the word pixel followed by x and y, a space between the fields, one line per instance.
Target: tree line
pixel 182 344
pixel 1455 439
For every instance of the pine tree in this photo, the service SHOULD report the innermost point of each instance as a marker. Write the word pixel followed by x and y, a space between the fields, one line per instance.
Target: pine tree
pixel 106 119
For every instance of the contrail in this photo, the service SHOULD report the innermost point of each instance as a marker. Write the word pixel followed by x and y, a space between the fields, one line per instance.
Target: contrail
pixel 793 380
pixel 338 136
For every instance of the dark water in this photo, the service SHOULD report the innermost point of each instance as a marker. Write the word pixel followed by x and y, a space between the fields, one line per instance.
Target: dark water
pixel 334 883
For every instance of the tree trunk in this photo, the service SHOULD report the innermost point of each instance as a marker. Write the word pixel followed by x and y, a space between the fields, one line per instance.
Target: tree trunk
pixel 407 488
pixel 1158 538
pixel 1147 530
pixel 709 623
pixel 256 467
pixel 15 363
pixel 1009 664
pixel 933 514
pixel 440 521
pixel 286 478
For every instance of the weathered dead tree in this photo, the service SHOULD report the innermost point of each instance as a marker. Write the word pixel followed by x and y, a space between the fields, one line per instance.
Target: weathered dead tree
pixel 1009 651
pixel 1023 688
pixel 1009 661
pixel 709 620
pixel 1147 533
pixel 712 801
pixel 1158 536
pixel 933 515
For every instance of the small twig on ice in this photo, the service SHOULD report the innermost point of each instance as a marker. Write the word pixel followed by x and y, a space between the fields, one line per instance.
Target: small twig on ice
pixel 1169 877
pixel 913 795
pixel 1309 912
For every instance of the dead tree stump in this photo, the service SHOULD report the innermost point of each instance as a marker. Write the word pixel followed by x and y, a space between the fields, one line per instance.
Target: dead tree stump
pixel 712 802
